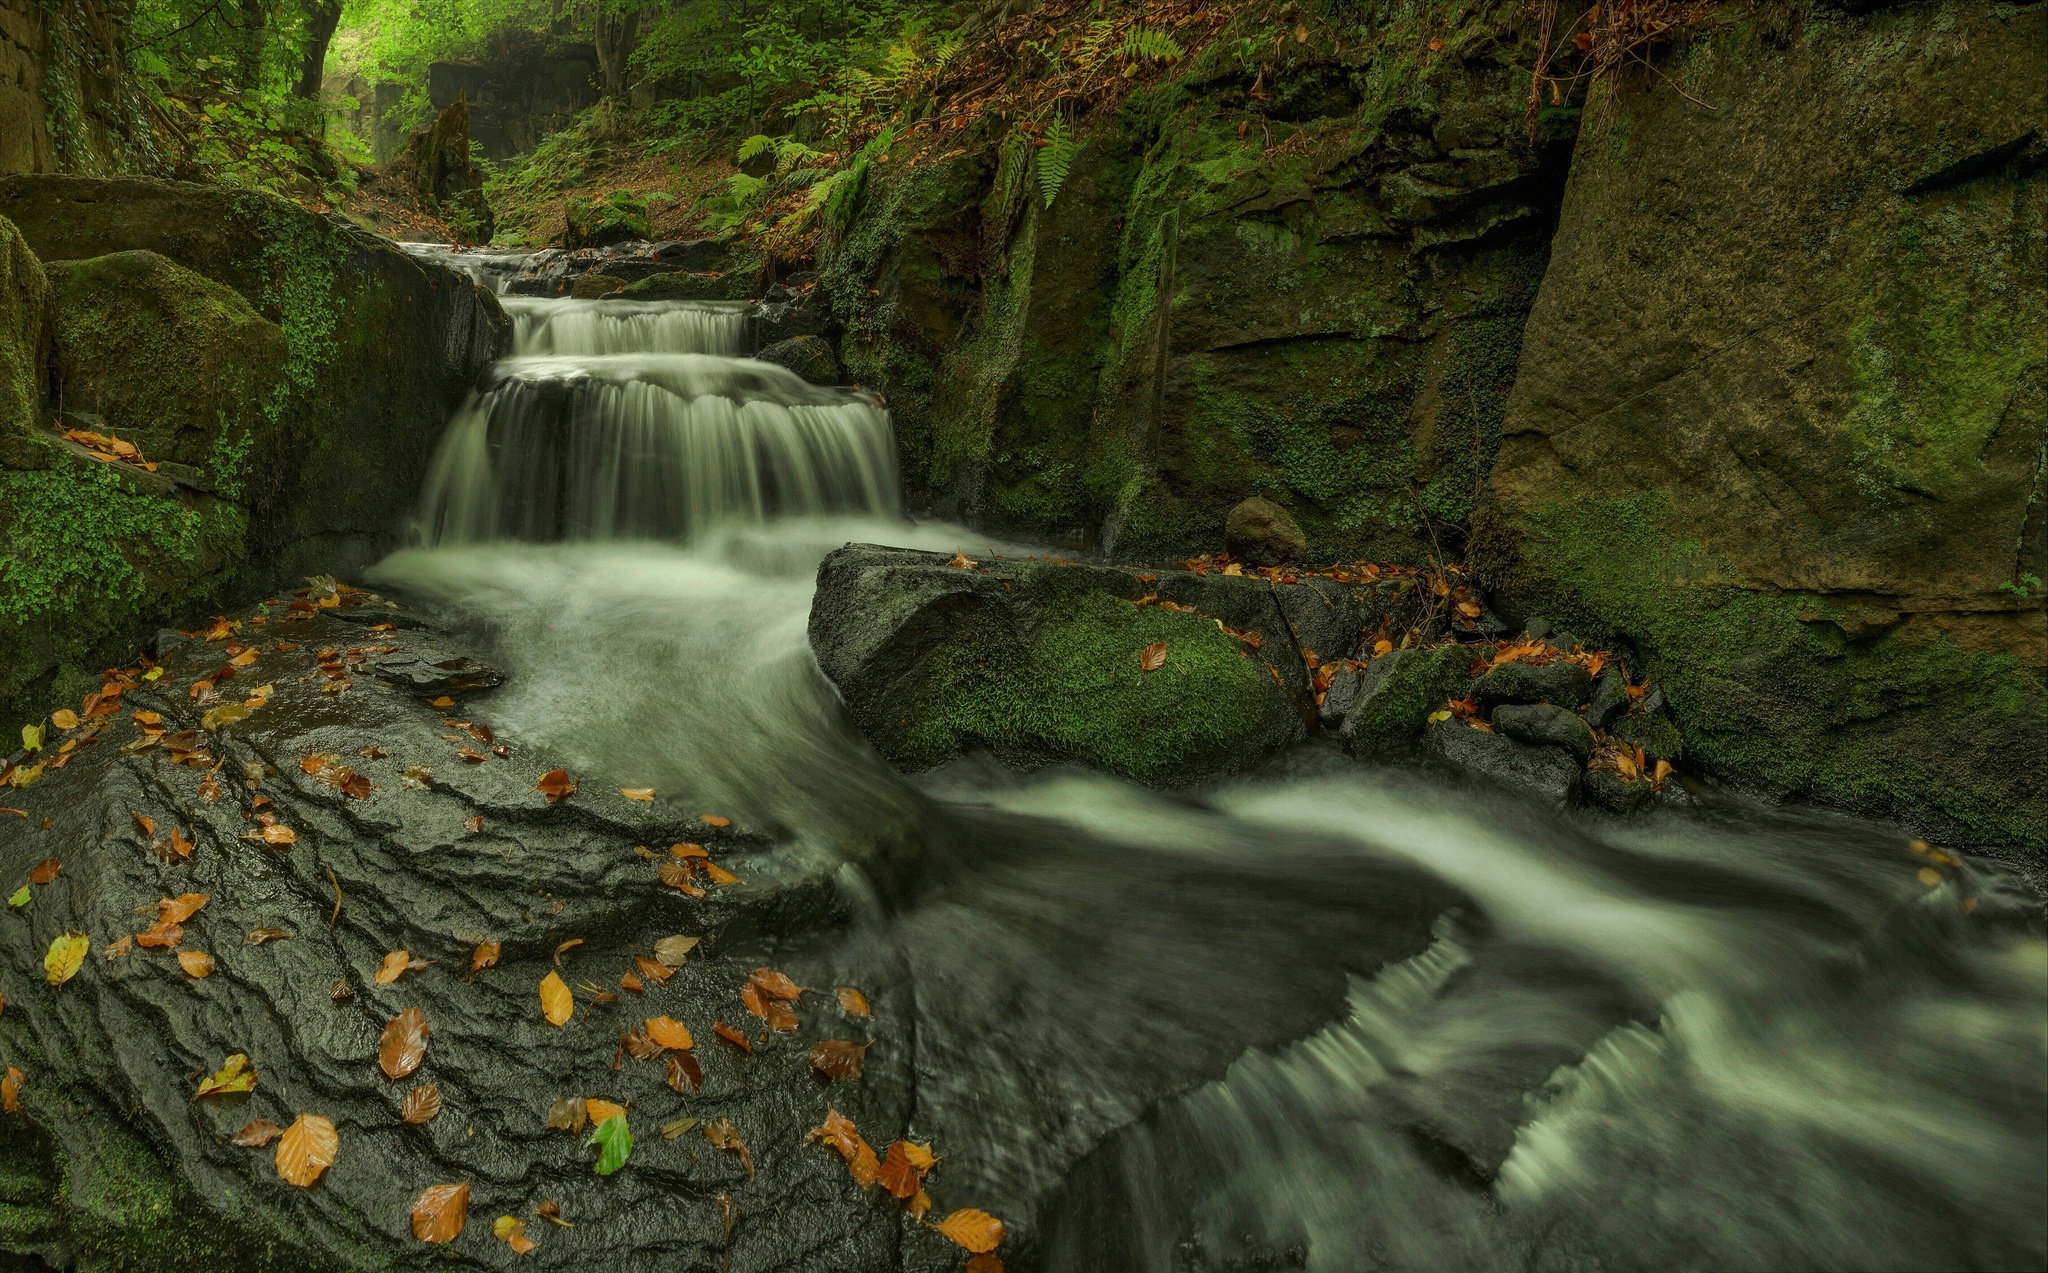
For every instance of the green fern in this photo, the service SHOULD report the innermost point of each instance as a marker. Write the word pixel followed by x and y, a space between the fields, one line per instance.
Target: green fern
pixel 1055 158
pixel 758 144
pixel 1158 46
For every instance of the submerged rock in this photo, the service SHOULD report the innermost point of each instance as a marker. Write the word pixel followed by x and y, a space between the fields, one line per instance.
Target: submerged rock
pixel 589 287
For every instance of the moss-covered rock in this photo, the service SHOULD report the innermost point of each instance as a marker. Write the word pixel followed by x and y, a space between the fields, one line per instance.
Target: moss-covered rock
pixel 1042 660
pixel 1400 691
pixel 24 344
pixel 176 301
pixel 1780 417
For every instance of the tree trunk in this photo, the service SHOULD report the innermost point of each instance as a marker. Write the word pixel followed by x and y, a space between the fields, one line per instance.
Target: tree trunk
pixel 249 45
pixel 322 16
pixel 616 34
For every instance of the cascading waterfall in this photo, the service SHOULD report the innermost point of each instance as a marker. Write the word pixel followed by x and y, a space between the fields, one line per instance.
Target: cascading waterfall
pixel 624 420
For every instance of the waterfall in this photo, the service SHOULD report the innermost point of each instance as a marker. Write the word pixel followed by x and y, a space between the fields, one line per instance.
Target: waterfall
pixel 640 420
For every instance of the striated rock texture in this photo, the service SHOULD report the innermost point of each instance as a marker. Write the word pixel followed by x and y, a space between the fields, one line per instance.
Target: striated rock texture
pixel 24 344
pixel 1306 282
pixel 1780 415
pixel 291 375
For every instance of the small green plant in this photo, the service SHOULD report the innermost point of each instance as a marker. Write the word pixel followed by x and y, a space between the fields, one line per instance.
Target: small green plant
pixel 1055 158
pixel 1157 46
pixel 2028 585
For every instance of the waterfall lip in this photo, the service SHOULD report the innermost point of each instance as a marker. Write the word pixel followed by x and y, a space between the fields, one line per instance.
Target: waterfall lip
pixel 609 306
pixel 687 376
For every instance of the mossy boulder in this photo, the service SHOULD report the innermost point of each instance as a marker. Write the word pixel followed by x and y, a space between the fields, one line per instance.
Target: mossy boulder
pixel 174 362
pixel 1041 660
pixel 292 373
pixel 24 344
pixel 681 285
pixel 1779 424
pixel 1399 692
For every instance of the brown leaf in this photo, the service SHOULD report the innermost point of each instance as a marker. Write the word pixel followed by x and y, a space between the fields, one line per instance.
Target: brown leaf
pixel 989 1261
pixel 485 955
pixel 683 1067
pixel 340 990
pixel 637 1043
pixel 161 937
pixel 421 1104
pixel 1153 656
pixel 898 1176
pixel 440 1211
pixel 45 871
pixel 176 910
pixel 853 1003
pixel 512 1230
pixel 403 1045
pixel 568 1115
pixel 395 964
pixel 722 1134
pixel 551 1211
pixel 119 949
pixel 473 824
pixel 637 793
pixel 652 971
pixel 556 785
pixel 556 1003
pixel 629 982
pixel 278 833
pixel 714 820
pixel 836 1131
pixel 257 936
pixel 738 1038
pixel 972 1230
pixel 774 984
pixel 64 718
pixel 571 944
pixel 719 875
pixel 307 1148
pixel 839 1058
pixel 864 1167
pixel 10 1090
pixel 677 876
pixel 672 951
pixel 180 846
pixel 669 1033
pixel 257 1134
pixel 196 963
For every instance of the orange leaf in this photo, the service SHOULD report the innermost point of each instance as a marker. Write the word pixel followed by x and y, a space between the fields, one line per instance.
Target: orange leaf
pixel 1153 656
pixel 556 785
pixel 600 1110
pixel 972 1230
pixel 440 1211
pixel 176 910
pixel 278 833
pixel 556 1003
pixel 719 875
pixel 484 956
pixel 898 1176
pixel 988 1261
pixel 147 824
pixel 774 984
pixel 714 820
pixel 637 793
pixel 421 1104
pixel 395 964
pixel 853 1003
pixel 839 1059
pixel 669 1033
pixel 403 1045
pixel 864 1167
pixel 10 1090
pixel 736 1037
pixel 45 871
pixel 658 973
pixel 307 1148
pixel 161 937
pixel 196 963
pixel 179 844
pixel 688 851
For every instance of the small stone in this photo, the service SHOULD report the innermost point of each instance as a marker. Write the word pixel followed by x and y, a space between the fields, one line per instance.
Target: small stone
pixel 1262 533
pixel 1614 792
pixel 591 286
pixel 1610 699
pixel 1543 725
pixel 1560 683
pixel 1536 629
pixel 1345 685
pixel 1655 734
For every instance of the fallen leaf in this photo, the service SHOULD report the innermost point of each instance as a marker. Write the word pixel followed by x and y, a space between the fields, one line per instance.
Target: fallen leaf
pixel 671 1130
pixel 473 824
pixel 614 1141
pixel 485 955
pixel 196 963
pixel 44 871
pixel 147 823
pixel 683 1068
pixel 1153 656
pixel 677 876
pixel 551 1211
pixel 631 983
pixel 736 1037
pixel 421 1104
pixel 972 1230
pixel 556 1003
pixel 403 1045
pixel 688 851
pixel 67 952
pixel 988 1261
pixel 340 990
pixel 180 846
pixel 897 1175
pixel 853 1003
pixel 568 1114
pixel 511 1230
pixel 394 966
pixel 836 1131
pixel 637 793
pixel 278 833
pixel 176 910
pixel 257 936
pixel 838 1058
pixel 652 971
pixel 10 1090
pixel 774 984
pixel 21 897
pixel 919 1205
pixel 257 1134
pixel 638 1044
pixel 440 1211
pixel 225 714
pixel 64 718
pixel 714 820
pixel 556 785
pixel 118 949
pixel 416 778
pixel 672 951
pixel 669 1033
pixel 234 1075
pixel 961 561
pixel 571 944
pixel 444 701
pixel 724 1135
pixel 719 875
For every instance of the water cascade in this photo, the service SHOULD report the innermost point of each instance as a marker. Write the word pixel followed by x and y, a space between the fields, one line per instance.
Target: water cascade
pixel 1729 1037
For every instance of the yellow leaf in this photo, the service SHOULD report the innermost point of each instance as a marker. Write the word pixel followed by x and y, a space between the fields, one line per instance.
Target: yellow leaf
pixel 556 1003
pixel 233 1076
pixel 66 954
pixel 64 718
pixel 1434 717
pixel 972 1230
pixel 394 965
pixel 669 1032
pixel 307 1148
pixel 196 963
pixel 600 1110
pixel 637 793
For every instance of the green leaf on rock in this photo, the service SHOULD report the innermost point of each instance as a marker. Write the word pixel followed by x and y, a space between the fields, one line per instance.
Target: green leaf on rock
pixel 20 898
pixel 614 1142
pixel 32 737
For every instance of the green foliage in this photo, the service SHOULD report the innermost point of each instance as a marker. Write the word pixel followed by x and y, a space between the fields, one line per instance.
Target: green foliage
pixel 1155 45
pixel 1055 159
pixel 614 1143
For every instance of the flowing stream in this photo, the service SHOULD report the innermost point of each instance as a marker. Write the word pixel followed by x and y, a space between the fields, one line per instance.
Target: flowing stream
pixel 1326 1016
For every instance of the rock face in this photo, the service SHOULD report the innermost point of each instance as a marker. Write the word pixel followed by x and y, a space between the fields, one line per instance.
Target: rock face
pixel 1204 314
pixel 175 300
pixel 437 164
pixel 24 344
pixel 1780 414
pixel 808 356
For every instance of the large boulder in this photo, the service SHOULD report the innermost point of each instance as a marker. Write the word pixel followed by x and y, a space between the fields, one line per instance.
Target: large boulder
pixel 1780 414
pixel 176 301
pixel 1038 660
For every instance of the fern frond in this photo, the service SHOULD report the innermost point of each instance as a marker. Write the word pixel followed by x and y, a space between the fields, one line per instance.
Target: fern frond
pixel 758 144
pixel 1157 46
pixel 1055 158
pixel 798 178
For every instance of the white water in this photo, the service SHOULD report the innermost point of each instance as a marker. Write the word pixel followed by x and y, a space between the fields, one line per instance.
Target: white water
pixel 1733 1039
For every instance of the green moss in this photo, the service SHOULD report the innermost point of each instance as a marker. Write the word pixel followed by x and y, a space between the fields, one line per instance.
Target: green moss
pixel 299 261
pixel 1075 688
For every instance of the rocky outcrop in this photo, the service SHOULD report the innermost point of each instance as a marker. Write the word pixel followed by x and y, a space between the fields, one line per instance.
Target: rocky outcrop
pixel 1251 282
pixel 24 344
pixel 1780 415
pixel 288 378
pixel 438 167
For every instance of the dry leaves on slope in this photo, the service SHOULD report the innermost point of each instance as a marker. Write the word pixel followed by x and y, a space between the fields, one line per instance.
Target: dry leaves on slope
pixel 838 1132
pixel 905 1167
pixel 556 785
pixel 732 1035
pixel 440 1211
pixel 724 1135
pixel 403 1045
pixel 683 1068
pixel 176 910
pixel 257 1134
pixel 307 1148
pixel 672 951
pixel 485 955
pixel 556 1003
pixel 161 937
pixel 669 1033
pixel 1153 656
